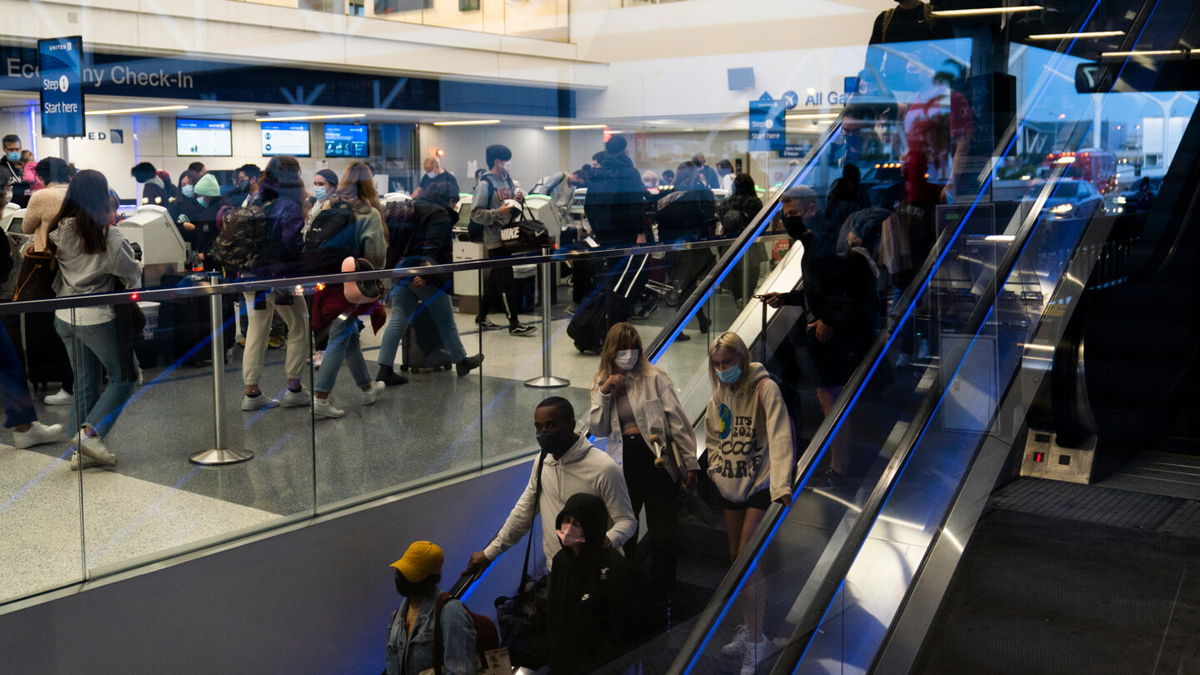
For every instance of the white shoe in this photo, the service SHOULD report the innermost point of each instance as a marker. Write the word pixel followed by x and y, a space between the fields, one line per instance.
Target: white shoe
pixel 754 653
pixel 38 434
pixel 252 403
pixel 734 646
pixel 94 449
pixel 85 463
pixel 296 399
pixel 60 397
pixel 368 396
pixel 323 408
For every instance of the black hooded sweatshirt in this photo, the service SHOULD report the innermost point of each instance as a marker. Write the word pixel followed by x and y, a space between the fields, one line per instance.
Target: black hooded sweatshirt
pixel 590 602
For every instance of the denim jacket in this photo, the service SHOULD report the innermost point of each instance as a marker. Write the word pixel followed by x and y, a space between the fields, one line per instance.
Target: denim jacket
pixel 413 654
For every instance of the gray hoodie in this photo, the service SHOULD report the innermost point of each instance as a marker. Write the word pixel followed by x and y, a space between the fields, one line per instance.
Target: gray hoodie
pixel 582 468
pixel 80 273
pixel 749 438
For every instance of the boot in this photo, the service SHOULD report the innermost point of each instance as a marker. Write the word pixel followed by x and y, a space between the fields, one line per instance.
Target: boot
pixel 389 377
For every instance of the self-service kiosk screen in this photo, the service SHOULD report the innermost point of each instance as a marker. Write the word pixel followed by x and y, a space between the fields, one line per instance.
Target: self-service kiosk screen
pixel 346 140
pixel 285 138
pixel 203 138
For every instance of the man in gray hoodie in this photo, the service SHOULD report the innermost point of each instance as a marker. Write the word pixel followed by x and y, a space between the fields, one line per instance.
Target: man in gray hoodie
pixel 569 464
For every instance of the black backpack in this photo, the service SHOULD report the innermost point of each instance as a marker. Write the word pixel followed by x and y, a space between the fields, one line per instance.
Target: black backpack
pixel 330 239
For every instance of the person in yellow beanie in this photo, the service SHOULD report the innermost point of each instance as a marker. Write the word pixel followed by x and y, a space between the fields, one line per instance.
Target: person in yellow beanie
pixel 412 632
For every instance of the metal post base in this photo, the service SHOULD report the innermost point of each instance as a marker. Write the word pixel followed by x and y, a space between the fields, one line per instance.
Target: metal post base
pixel 218 456
pixel 547 382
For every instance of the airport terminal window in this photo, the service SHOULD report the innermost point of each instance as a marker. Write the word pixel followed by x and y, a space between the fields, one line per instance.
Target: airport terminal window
pixel 468 5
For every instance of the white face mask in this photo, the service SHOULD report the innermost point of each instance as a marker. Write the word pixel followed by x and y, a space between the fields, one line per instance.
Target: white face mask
pixel 506 167
pixel 626 359
pixel 431 174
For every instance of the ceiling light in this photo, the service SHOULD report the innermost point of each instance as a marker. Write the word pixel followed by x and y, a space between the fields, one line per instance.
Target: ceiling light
pixel 1068 36
pixel 1144 52
pixel 463 123
pixel 121 111
pixel 812 116
pixel 298 118
pixel 986 10
pixel 572 127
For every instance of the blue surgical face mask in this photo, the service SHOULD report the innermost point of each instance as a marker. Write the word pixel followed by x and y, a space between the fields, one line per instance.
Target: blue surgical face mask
pixel 202 201
pixel 188 191
pixel 14 156
pixel 730 375
pixel 320 192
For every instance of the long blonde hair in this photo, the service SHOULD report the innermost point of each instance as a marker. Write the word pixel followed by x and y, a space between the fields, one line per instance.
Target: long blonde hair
pixel 621 336
pixel 733 342
pixel 357 186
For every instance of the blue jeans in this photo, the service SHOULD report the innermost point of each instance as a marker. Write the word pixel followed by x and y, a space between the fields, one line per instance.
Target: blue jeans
pixel 94 353
pixel 18 404
pixel 407 304
pixel 344 346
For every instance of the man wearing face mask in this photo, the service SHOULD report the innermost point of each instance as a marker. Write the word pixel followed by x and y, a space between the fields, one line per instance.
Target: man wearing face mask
pixel 433 173
pixel 568 464
pixel 11 171
pixel 413 642
pixel 494 208
pixel 245 185
pixel 590 597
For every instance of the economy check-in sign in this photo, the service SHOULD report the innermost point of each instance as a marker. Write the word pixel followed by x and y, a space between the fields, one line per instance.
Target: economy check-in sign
pixel 60 70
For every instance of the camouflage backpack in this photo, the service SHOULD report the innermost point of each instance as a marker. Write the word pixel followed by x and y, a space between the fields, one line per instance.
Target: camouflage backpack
pixel 240 244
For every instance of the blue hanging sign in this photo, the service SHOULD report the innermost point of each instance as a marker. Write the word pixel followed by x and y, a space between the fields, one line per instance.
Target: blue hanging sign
pixel 60 72
pixel 768 130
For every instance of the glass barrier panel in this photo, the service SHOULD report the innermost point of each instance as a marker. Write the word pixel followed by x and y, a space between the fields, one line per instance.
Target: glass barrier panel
pixel 157 384
pixel 41 531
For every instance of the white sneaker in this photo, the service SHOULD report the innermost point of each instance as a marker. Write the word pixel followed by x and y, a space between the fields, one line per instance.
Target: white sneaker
pixel 84 463
pixel 323 408
pixel 368 396
pixel 734 646
pixel 38 434
pixel 296 399
pixel 754 653
pixel 93 448
pixel 60 397
pixel 252 403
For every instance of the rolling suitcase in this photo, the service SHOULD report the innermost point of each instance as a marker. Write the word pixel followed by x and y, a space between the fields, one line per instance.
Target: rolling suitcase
pixel 604 308
pixel 422 348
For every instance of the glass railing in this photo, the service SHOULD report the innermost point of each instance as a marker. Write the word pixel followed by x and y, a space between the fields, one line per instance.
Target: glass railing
pixel 288 460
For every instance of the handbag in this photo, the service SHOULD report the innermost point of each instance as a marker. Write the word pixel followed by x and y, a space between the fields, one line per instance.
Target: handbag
pixel 522 617
pixel 35 280
pixel 525 234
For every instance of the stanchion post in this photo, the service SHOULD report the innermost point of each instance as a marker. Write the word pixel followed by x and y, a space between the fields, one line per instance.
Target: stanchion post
pixel 546 380
pixel 218 454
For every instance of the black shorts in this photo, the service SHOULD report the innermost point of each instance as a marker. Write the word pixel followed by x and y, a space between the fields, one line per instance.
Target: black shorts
pixel 758 500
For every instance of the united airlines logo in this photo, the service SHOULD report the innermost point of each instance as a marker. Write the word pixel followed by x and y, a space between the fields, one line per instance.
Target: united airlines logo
pixel 725 415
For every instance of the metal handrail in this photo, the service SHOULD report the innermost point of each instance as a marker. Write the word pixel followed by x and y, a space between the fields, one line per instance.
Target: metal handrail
pixel 309 282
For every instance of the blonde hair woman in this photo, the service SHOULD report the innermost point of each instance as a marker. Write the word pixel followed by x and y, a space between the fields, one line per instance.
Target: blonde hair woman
pixel 748 441
pixel 634 405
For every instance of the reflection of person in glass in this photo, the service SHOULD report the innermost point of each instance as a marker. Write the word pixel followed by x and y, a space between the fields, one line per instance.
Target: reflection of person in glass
pixel 937 129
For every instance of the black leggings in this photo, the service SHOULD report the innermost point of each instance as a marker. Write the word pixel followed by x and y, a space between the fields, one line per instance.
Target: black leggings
pixel 499 290
pixel 653 488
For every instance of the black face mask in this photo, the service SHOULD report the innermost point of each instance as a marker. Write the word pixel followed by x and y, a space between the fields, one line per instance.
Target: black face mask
pixel 405 587
pixel 794 224
pixel 242 185
pixel 556 442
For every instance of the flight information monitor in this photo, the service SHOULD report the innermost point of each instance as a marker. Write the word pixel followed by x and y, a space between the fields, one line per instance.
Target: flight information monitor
pixel 346 140
pixel 285 138
pixel 203 138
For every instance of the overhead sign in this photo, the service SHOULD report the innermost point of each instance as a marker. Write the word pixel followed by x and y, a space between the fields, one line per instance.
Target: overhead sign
pixel 768 128
pixel 60 72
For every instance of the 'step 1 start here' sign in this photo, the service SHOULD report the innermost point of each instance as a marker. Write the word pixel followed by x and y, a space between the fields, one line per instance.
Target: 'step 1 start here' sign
pixel 60 67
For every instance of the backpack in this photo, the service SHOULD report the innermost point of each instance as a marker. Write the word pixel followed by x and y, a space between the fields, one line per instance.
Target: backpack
pixel 398 218
pixel 487 638
pixel 731 224
pixel 244 232
pixel 330 239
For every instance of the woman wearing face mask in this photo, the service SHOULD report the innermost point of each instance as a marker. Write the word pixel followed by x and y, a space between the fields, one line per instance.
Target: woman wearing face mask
pixel 325 183
pixel 412 634
pixel 634 405
pixel 589 600
pixel 748 441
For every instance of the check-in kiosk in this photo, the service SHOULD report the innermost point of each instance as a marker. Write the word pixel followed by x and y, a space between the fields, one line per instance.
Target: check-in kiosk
pixel 163 248
pixel 12 218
